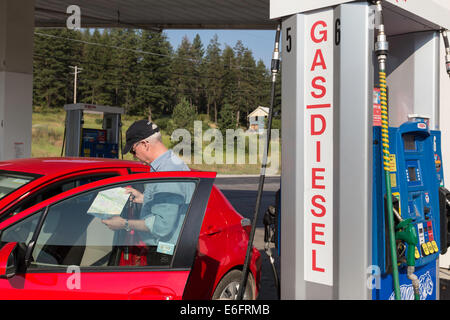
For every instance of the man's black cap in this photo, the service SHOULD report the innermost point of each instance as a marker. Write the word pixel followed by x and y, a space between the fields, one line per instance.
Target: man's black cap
pixel 138 131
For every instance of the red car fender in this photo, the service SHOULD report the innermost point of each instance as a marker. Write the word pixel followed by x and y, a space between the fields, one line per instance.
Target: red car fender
pixel 221 248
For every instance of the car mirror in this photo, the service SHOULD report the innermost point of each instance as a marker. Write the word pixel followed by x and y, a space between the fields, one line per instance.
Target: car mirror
pixel 8 260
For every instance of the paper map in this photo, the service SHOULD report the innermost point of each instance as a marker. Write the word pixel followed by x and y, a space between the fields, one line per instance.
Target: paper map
pixel 109 202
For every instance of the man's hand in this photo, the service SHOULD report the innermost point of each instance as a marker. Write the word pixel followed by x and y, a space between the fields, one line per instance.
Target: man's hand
pixel 118 223
pixel 115 223
pixel 136 196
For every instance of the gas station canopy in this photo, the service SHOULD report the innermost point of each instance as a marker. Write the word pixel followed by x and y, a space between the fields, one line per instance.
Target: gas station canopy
pixel 157 14
pixel 400 16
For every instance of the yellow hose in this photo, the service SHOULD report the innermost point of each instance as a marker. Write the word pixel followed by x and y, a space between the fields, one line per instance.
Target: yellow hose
pixel 387 171
pixel 384 121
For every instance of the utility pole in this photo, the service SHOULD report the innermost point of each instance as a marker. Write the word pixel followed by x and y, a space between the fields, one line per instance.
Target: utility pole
pixel 76 72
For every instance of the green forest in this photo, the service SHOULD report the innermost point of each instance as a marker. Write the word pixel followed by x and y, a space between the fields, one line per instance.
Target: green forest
pixel 139 71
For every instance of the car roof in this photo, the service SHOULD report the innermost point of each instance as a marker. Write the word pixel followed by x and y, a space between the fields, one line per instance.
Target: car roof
pixel 53 165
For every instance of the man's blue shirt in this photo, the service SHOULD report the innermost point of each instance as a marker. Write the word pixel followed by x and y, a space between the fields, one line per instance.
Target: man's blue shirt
pixel 168 161
pixel 165 218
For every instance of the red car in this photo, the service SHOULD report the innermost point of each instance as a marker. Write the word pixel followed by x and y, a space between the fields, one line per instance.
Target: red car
pixel 25 182
pixel 189 243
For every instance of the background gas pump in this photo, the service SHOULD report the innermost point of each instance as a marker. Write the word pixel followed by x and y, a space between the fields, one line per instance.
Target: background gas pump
pixel 89 142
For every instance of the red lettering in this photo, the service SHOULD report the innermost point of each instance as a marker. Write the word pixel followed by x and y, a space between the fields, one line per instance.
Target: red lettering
pixel 318 87
pixel 317 151
pixel 315 177
pixel 318 60
pixel 318 106
pixel 314 263
pixel 318 206
pixel 315 232
pixel 315 132
pixel 323 33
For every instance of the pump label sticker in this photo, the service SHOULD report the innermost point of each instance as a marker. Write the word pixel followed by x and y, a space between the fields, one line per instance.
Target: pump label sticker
pixel 426 286
pixel 393 163
pixel 318 148
pixel 421 125
pixel 376 107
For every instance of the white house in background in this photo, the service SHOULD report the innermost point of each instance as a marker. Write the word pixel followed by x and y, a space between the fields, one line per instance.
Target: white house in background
pixel 257 118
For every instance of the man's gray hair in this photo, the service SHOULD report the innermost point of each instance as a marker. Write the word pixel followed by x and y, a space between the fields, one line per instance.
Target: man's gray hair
pixel 154 138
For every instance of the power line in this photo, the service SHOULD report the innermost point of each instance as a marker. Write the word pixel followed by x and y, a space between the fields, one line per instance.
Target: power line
pixel 139 68
pixel 132 50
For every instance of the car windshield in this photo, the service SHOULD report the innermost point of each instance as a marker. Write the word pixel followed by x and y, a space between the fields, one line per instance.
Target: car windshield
pixel 11 182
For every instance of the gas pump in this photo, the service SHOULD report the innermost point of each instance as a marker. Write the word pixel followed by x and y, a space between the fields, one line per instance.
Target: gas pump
pixel 406 198
pixel 89 142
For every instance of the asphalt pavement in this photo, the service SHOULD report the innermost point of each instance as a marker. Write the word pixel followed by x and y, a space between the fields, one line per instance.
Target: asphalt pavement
pixel 241 191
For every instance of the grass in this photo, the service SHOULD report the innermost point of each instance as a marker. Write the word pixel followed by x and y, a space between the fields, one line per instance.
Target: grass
pixel 48 133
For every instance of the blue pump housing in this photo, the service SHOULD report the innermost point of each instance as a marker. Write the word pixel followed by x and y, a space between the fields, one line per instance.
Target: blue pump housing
pixel 416 174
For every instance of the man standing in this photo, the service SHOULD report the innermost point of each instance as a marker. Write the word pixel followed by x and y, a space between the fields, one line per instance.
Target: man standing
pixel 144 141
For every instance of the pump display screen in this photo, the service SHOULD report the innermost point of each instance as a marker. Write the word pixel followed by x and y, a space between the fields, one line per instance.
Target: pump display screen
pixel 409 142
pixel 412 174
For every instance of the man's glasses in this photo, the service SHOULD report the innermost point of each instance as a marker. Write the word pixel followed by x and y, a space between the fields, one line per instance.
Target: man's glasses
pixel 133 149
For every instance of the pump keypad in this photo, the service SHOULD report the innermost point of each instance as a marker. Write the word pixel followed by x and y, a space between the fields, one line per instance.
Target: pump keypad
pixel 425 251
pixel 430 247
pixel 434 244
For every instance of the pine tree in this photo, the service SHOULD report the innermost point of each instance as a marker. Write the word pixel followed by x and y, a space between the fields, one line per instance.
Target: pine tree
pixel 183 72
pixel 239 94
pixel 262 85
pixel 248 86
pixel 125 73
pixel 94 80
pixel 214 72
pixel 184 116
pixel 154 92
pixel 197 53
pixel 226 118
pixel 229 79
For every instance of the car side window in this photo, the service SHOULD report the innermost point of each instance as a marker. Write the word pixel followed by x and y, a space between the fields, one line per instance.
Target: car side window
pixel 56 188
pixel 88 230
pixel 21 231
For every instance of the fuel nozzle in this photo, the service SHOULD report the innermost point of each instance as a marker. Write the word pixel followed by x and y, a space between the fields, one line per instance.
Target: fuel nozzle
pixel 381 45
pixel 406 232
pixel 447 50
pixel 275 63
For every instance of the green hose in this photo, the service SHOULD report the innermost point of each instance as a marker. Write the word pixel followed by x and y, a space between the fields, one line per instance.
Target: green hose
pixel 387 175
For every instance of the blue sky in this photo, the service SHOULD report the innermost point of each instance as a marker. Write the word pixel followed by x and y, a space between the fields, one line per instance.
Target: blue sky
pixel 260 42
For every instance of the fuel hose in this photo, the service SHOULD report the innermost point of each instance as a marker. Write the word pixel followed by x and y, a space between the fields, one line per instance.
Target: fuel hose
pixel 275 67
pixel 381 50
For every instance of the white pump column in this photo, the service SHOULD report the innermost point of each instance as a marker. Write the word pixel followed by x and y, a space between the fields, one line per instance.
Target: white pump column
pixel 327 76
pixel 16 77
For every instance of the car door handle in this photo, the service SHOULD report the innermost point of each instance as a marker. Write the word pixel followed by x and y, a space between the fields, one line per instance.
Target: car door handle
pixel 152 293
pixel 213 230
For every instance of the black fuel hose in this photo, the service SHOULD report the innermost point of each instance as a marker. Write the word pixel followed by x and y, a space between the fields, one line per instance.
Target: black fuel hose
pixel 275 67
